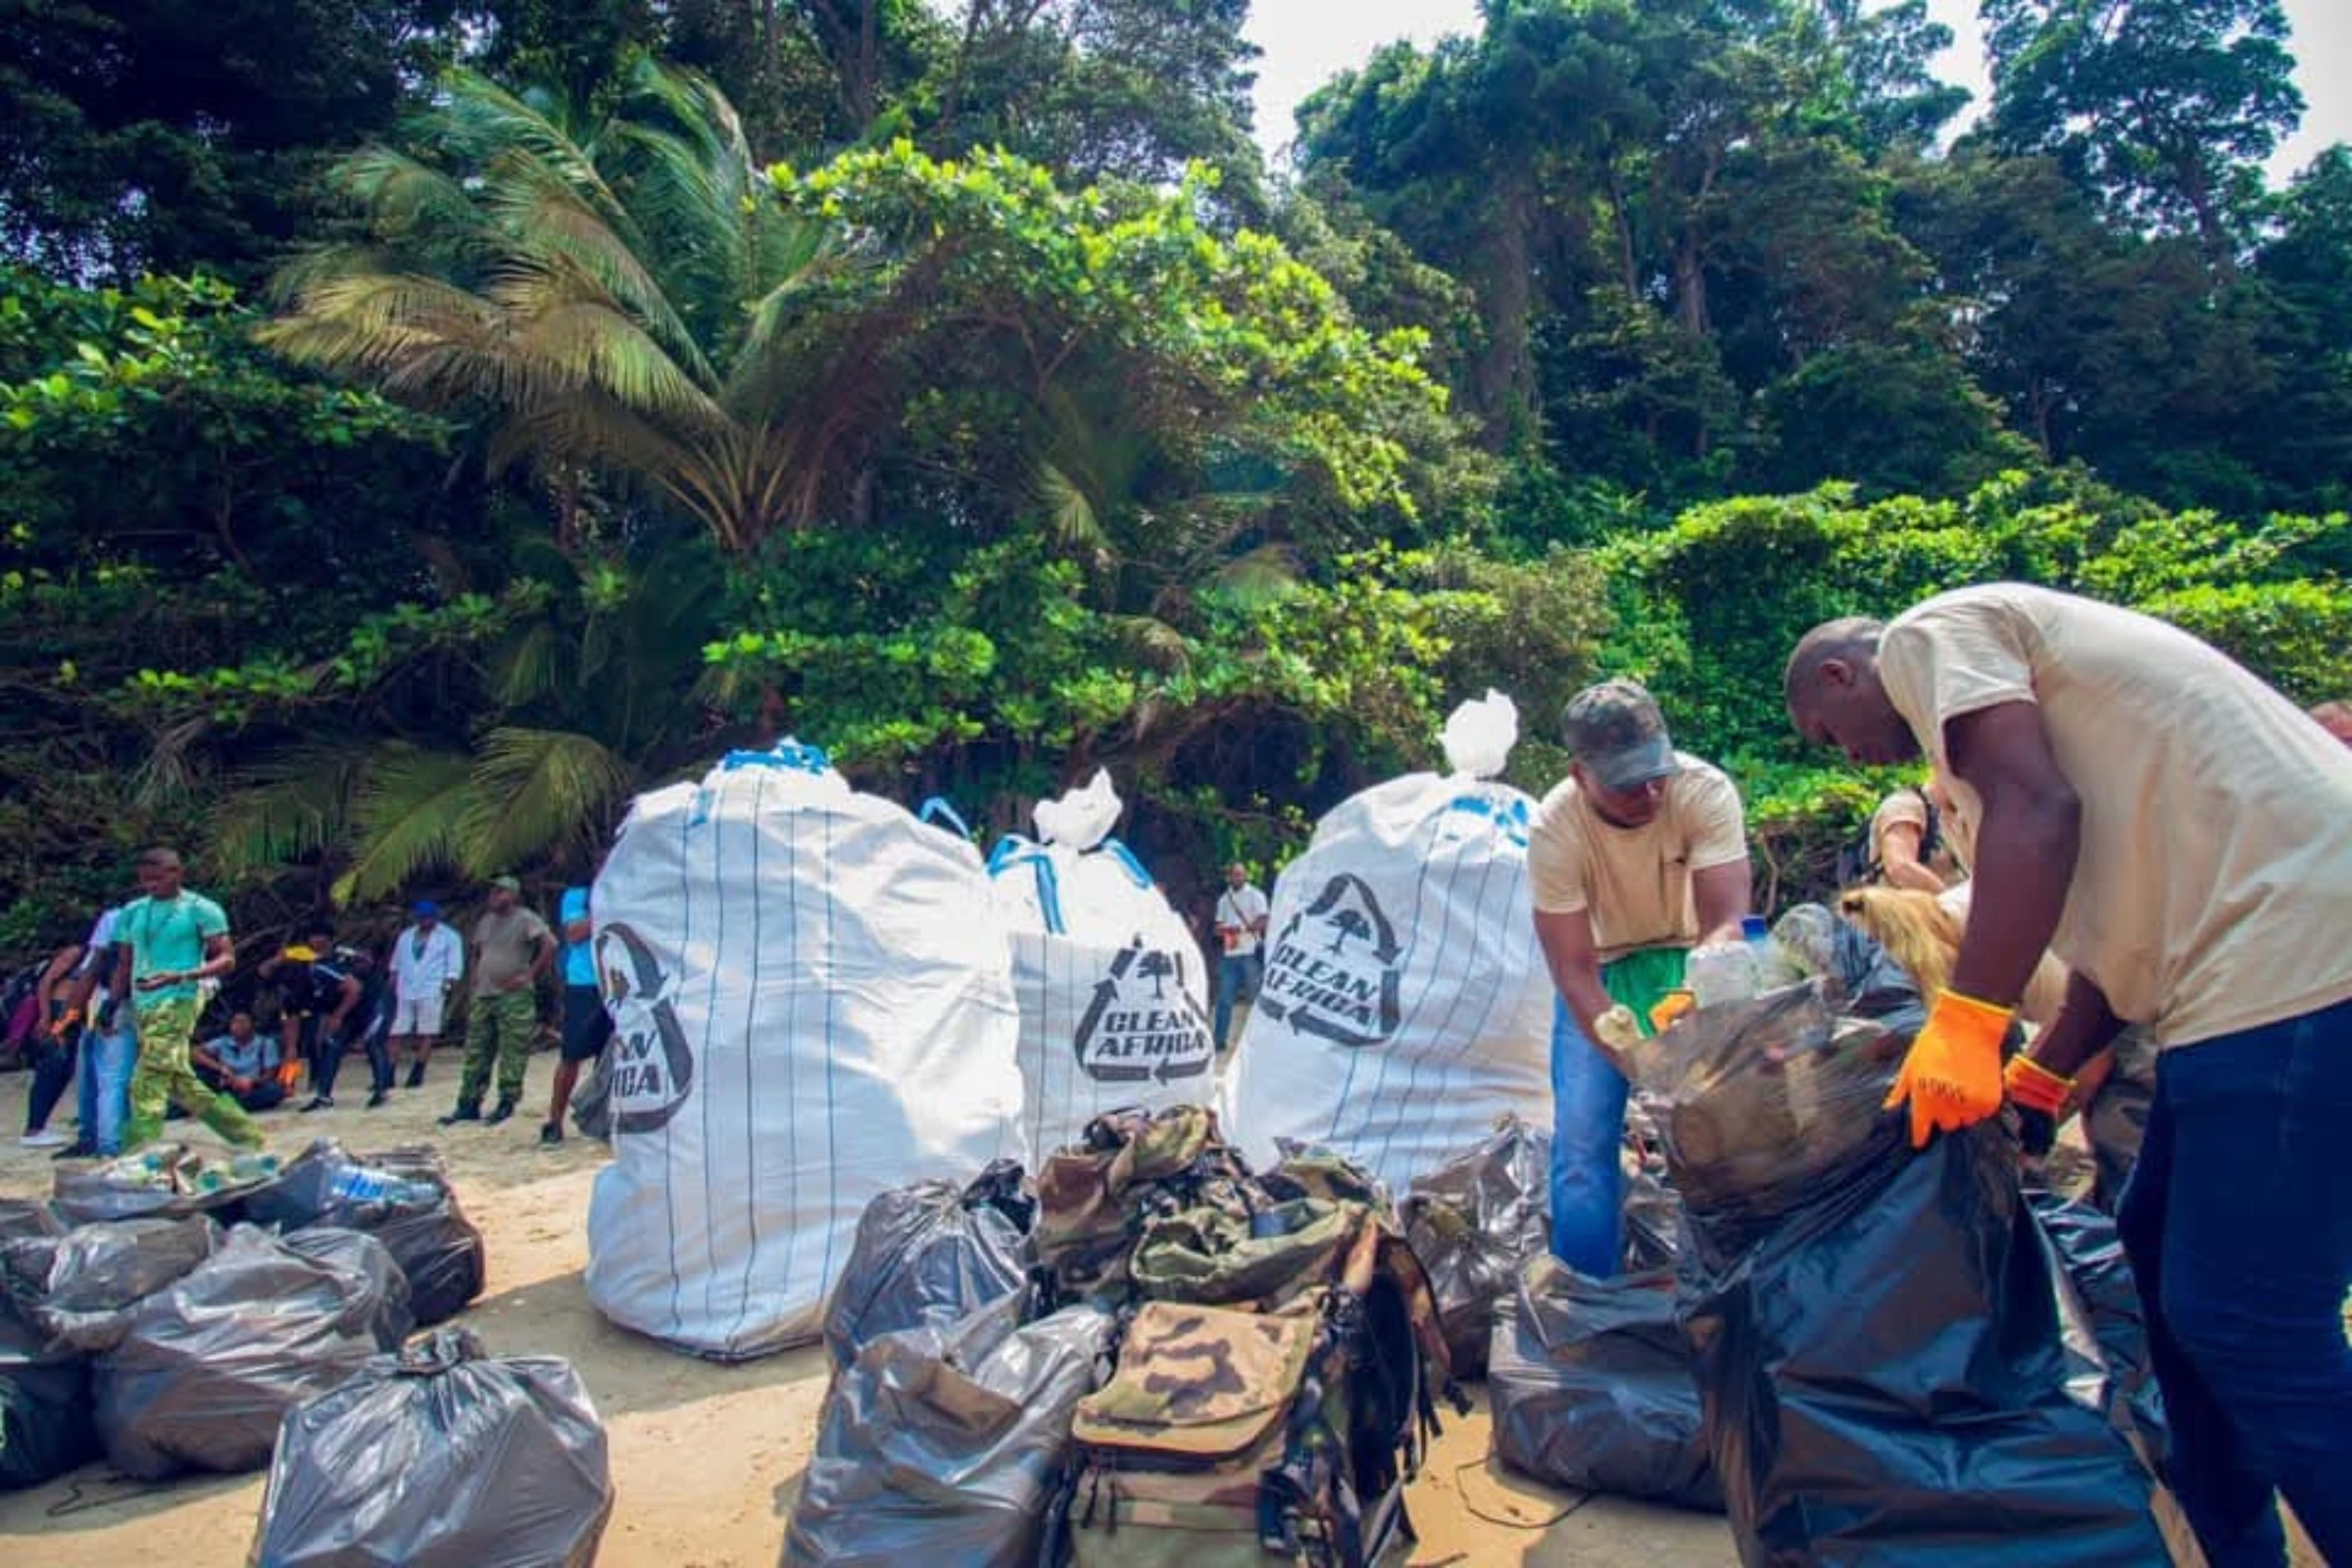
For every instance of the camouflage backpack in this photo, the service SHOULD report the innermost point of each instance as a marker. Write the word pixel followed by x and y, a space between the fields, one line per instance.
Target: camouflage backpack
pixel 1225 1441
pixel 1094 1200
pixel 1272 1393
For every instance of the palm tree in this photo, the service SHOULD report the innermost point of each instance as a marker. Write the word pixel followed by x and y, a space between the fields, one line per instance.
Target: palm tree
pixel 588 710
pixel 622 297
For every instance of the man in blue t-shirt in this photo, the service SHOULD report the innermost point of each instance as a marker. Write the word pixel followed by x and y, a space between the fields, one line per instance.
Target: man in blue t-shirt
pixel 241 1063
pixel 586 1024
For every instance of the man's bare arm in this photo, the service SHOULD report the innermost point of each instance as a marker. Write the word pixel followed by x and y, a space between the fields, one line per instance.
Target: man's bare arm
pixel 2026 847
pixel 1575 964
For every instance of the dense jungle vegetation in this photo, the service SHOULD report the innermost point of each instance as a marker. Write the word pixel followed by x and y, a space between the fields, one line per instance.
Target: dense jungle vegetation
pixel 425 422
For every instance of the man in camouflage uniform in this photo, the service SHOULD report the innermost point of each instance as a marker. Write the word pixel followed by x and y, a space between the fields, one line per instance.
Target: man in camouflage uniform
pixel 512 949
pixel 172 947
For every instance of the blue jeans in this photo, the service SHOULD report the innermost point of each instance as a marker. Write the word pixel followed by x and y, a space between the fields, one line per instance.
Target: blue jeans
pixel 1587 1131
pixel 103 1097
pixel 2240 1234
pixel 1237 981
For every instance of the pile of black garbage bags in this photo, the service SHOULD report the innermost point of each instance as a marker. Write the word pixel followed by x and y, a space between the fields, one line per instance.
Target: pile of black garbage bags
pixel 175 1318
pixel 1861 1352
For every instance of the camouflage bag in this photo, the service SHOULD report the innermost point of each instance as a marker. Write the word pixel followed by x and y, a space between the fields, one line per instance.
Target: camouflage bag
pixel 1094 1201
pixel 1224 1441
pixel 1309 1170
pixel 1269 1258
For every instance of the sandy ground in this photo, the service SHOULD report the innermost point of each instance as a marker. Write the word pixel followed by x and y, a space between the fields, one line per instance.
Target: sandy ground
pixel 708 1458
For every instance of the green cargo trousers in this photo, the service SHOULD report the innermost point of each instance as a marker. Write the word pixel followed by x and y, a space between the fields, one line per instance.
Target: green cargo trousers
pixel 498 1026
pixel 165 1074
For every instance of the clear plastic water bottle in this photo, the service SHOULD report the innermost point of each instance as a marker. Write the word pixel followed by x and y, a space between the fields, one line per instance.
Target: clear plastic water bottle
pixel 357 1184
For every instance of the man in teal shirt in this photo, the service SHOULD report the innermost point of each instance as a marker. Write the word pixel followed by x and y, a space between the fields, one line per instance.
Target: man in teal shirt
pixel 171 944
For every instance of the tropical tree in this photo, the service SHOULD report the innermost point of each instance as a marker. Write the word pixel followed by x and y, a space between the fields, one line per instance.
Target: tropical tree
pixel 586 685
pixel 616 294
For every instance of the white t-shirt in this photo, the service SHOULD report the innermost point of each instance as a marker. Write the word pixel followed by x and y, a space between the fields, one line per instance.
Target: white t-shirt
pixel 2214 883
pixel 1635 881
pixel 421 968
pixel 1239 909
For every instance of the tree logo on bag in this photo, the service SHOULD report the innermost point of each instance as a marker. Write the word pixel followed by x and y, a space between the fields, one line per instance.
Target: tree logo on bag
pixel 653 1066
pixel 1335 969
pixel 1142 1025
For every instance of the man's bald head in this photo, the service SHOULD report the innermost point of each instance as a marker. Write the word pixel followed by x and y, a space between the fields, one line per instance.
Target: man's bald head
pixel 1853 640
pixel 1835 699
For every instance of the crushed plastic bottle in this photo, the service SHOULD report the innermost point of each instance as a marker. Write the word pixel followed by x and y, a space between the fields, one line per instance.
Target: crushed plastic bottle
pixel 361 1184
pixel 1722 972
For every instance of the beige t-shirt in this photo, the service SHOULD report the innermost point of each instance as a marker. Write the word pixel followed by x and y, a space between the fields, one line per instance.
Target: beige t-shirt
pixel 1909 809
pixel 1635 881
pixel 2214 883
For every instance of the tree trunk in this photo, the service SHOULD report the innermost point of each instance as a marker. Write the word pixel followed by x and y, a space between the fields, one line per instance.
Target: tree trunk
pixel 1504 378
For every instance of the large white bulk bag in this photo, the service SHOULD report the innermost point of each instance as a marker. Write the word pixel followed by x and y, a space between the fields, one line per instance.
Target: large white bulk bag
pixel 1405 1005
pixel 813 1006
pixel 1112 989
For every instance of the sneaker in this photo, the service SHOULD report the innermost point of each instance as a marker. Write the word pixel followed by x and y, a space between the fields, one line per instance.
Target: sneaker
pixel 550 1133
pixel 416 1075
pixel 77 1150
pixel 378 1098
pixel 320 1103
pixel 504 1110
pixel 46 1137
pixel 462 1113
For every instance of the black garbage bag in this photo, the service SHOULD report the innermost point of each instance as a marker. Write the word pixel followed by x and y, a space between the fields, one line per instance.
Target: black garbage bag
pixel 1472 1222
pixel 170 1181
pixel 944 1443
pixel 22 1219
pixel 2105 1326
pixel 440 1456
pixel 1877 1329
pixel 1593 1388
pixel 592 1104
pixel 79 1289
pixel 1653 1222
pixel 930 1253
pixel 402 1197
pixel 211 1365
pixel 45 1426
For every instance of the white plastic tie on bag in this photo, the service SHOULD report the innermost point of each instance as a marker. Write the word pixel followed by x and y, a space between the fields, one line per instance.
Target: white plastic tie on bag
pixel 1083 817
pixel 1479 735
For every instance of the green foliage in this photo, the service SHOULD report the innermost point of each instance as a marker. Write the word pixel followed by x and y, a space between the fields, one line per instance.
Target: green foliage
pixel 175 135
pixel 1710 609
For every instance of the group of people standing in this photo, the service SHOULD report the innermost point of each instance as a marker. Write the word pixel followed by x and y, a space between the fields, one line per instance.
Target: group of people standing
pixel 2136 816
pixel 121 1012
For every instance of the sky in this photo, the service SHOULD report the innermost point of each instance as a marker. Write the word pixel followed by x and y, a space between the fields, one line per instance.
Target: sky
pixel 1307 41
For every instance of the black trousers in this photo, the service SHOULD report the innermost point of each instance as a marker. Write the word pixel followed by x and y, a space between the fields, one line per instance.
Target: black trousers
pixel 326 1055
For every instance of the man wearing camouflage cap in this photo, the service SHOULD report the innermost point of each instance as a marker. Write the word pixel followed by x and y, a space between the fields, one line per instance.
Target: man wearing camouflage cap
pixel 1636 856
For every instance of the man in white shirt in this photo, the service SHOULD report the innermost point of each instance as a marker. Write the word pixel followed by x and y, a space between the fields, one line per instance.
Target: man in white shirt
pixel 1636 856
pixel 1241 922
pixel 2181 836
pixel 428 959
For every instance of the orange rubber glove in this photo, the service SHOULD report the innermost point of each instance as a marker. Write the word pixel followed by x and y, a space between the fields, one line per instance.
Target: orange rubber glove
pixel 1669 1009
pixel 1951 1077
pixel 2034 1087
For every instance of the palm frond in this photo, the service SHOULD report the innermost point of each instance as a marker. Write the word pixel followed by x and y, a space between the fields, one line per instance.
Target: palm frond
pixel 298 802
pixel 528 666
pixel 534 788
pixel 1070 513
pixel 411 809
pixel 563 242
pixel 1152 642
pixel 1264 574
